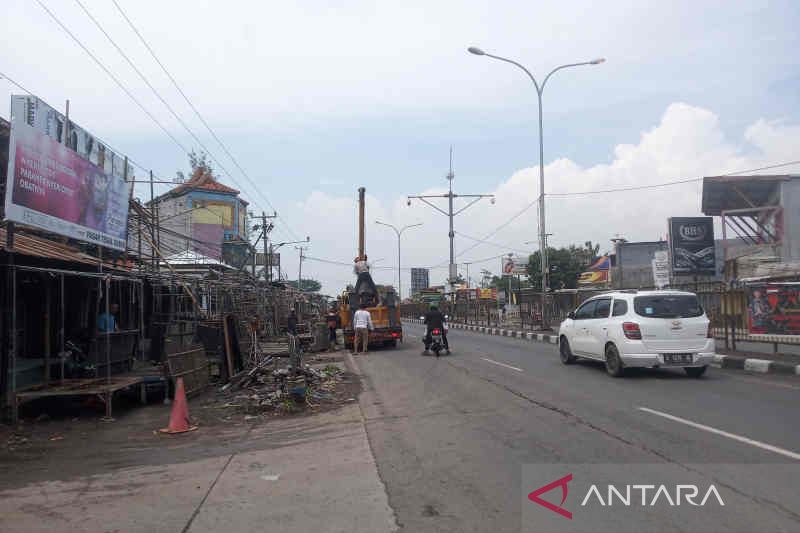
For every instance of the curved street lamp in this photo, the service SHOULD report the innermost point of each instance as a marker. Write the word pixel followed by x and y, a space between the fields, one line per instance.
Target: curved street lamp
pixel 398 232
pixel 539 90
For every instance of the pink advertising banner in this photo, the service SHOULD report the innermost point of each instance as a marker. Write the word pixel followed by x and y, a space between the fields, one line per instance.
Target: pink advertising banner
pixel 53 188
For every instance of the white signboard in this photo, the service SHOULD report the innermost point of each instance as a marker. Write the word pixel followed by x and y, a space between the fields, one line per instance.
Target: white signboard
pixel 661 269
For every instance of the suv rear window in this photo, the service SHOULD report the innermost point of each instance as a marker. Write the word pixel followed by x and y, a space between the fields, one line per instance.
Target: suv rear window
pixel 667 306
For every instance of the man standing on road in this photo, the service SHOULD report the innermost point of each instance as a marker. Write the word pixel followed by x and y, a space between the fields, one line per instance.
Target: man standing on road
pixel 434 319
pixel 362 324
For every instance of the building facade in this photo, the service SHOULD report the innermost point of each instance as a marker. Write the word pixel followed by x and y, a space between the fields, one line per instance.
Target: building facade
pixel 200 215
pixel 420 279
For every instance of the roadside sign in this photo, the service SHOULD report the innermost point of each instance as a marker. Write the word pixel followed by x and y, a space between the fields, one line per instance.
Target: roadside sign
pixel 661 269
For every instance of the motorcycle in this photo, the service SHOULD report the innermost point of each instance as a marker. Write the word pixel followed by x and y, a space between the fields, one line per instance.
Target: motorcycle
pixel 437 341
pixel 437 344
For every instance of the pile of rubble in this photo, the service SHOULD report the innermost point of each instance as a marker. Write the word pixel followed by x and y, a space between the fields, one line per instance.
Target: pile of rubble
pixel 269 390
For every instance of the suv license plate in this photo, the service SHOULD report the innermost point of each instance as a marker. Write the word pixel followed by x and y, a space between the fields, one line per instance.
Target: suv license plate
pixel 677 358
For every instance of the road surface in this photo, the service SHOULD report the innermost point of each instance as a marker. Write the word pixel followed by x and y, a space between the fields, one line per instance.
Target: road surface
pixel 452 437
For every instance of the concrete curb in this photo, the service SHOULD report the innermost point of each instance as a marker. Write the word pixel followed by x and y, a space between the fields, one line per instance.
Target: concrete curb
pixel 759 366
pixel 521 335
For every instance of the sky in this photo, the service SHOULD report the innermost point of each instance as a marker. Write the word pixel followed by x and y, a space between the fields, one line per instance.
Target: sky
pixel 314 99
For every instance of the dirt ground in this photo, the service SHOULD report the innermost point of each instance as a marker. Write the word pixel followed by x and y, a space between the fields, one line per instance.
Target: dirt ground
pixel 71 440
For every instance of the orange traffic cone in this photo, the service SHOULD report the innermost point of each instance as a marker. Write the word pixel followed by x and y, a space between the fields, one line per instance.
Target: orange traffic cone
pixel 179 417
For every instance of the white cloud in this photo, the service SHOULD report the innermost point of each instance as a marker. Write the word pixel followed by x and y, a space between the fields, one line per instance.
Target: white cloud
pixel 687 142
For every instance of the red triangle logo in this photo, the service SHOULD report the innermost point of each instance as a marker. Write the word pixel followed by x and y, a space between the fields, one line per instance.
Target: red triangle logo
pixel 534 496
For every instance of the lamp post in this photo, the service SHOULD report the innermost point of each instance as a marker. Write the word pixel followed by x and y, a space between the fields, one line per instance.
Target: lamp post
pixel 539 90
pixel 398 232
pixel 273 247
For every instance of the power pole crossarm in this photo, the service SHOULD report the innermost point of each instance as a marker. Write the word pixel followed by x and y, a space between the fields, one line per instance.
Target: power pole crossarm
pixel 450 214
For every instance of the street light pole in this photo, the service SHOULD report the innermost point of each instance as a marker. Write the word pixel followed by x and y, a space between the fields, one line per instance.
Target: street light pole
pixel 398 232
pixel 539 91
pixel 273 247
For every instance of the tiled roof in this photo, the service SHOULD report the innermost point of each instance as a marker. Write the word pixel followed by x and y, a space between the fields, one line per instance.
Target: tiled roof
pixel 203 182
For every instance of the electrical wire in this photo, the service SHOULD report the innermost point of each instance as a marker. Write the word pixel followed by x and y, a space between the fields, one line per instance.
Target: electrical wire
pixel 671 183
pixel 199 115
pixel 112 76
pixel 102 141
pixel 490 243
pixel 159 96
pixel 3 75
pixel 623 189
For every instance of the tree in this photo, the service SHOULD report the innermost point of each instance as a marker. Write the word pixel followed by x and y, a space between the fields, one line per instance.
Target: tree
pixel 200 165
pixel 566 264
pixel 307 285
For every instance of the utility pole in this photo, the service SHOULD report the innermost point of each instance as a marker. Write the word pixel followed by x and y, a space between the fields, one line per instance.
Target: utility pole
pixel 265 229
pixel 273 247
pixel 450 214
pixel 300 269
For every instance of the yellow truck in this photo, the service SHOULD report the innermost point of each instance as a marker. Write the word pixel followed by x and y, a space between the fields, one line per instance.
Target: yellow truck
pixel 382 302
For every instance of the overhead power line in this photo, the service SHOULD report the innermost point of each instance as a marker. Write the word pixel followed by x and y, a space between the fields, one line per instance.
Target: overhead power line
pixel 12 82
pixel 156 92
pixel 100 140
pixel 671 183
pixel 494 232
pixel 112 76
pixel 199 115
pixel 490 243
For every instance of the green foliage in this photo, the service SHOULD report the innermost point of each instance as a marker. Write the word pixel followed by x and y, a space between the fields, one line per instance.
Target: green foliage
pixel 307 285
pixel 566 264
pixel 200 164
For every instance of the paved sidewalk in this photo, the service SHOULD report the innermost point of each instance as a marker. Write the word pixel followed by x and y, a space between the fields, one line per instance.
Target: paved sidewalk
pixel 294 474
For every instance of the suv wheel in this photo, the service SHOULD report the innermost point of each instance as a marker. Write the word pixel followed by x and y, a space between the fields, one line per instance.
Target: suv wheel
pixel 613 362
pixel 695 371
pixel 566 354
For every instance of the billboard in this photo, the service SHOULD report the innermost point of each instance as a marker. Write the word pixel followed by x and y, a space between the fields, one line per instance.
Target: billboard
pixel 237 253
pixel 487 294
pixel 262 258
pixel 774 308
pixel 514 265
pixel 691 244
pixel 77 190
pixel 597 272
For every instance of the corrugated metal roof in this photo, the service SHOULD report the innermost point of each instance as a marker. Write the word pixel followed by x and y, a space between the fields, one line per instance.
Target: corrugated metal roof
pixel 35 246
pixel 723 192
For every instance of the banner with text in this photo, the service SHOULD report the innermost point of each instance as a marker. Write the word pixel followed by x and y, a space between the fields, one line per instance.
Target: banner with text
pixel 52 187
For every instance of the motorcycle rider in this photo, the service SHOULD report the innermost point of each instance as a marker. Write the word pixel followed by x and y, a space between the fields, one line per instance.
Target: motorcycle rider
pixel 434 319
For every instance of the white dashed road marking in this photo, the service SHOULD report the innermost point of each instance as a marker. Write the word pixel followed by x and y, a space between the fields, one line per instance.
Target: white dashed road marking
pixel 501 364
pixel 733 436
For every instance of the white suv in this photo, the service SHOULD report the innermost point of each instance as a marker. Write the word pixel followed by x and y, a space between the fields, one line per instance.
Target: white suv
pixel 639 329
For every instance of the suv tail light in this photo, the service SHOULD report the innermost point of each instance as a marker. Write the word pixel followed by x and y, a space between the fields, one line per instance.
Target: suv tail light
pixel 631 330
pixel 710 331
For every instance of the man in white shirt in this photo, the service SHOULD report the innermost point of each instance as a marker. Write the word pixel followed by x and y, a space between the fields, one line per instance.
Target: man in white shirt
pixel 362 324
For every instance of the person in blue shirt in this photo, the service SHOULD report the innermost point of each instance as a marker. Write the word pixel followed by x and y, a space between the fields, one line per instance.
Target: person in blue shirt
pixel 107 322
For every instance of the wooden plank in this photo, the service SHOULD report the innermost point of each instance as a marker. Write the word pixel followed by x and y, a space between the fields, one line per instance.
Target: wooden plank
pixel 82 387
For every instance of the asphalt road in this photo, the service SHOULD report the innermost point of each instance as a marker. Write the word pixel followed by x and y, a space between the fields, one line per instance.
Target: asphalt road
pixel 461 440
